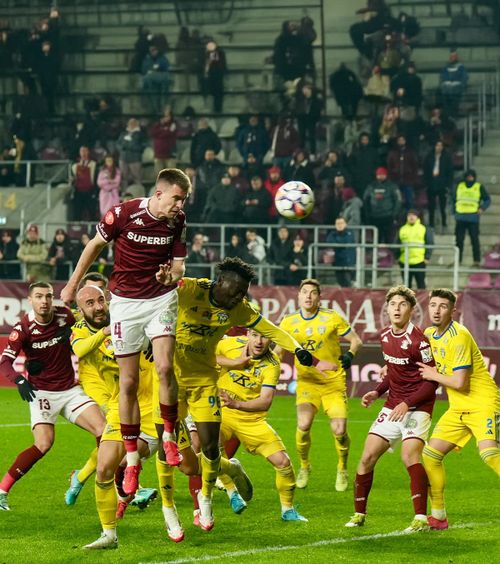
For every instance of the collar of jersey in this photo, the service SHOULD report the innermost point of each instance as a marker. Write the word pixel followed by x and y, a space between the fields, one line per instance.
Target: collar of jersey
pixel 443 333
pixel 308 318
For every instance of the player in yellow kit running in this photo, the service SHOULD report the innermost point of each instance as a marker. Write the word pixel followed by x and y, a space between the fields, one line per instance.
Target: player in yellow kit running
pixel 319 330
pixel 474 398
pixel 250 371
pixel 207 310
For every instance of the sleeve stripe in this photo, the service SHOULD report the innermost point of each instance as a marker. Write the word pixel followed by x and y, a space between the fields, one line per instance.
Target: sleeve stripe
pixel 9 354
pixel 346 333
pixel 268 386
pixel 75 341
pixel 460 367
pixel 255 322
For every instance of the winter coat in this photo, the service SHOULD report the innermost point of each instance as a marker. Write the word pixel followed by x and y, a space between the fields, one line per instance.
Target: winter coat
pixel 412 85
pixel 301 171
pixel 403 166
pixel 345 86
pixel 164 137
pixel 444 180
pixel 351 211
pixel 382 200
pixel 454 79
pixel 257 212
pixel 34 254
pixel 287 139
pixel 109 189
pixel 252 140
pixel 223 204
pixel 344 256
pixel 291 55
pixel 363 162
pixel 203 140
pixel 131 145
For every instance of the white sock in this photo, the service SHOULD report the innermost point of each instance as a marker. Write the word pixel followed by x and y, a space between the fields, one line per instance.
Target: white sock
pixel 439 514
pixel 3 491
pixel 286 508
pixel 230 492
pixel 421 517
pixel 110 533
pixel 168 436
pixel 133 458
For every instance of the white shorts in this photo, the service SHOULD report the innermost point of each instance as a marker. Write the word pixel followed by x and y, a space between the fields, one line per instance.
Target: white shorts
pixel 415 425
pixel 152 443
pixel 136 322
pixel 47 406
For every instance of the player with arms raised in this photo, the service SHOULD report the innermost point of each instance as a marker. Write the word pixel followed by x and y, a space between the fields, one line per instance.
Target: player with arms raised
pixel 406 415
pixel 473 395
pixel 150 249
pixel 43 336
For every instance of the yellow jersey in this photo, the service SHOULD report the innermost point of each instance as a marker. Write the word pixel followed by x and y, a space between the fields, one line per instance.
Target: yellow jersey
pixel 320 335
pixel 246 384
pixel 456 349
pixel 201 324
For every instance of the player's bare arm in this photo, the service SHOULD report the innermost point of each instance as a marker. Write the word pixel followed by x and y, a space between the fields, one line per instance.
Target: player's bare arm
pixel 169 274
pixel 87 258
pixel 238 363
pixel 262 403
pixel 368 399
pixel 458 381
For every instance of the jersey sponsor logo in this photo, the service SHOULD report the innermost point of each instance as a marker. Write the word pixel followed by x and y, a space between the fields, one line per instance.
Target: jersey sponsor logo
pixel 14 336
pixel 137 214
pixel 200 329
pixel 45 344
pixel 395 359
pixel 309 331
pixel 310 345
pixel 240 379
pixel 109 218
pixel 139 221
pixel 149 240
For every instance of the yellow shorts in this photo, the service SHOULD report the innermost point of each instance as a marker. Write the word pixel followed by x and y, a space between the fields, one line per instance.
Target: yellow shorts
pixel 257 436
pixel 95 387
pixel 112 431
pixel 458 427
pixel 201 402
pixel 331 396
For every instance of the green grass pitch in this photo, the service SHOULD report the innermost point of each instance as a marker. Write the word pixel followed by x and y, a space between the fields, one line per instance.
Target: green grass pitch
pixel 41 529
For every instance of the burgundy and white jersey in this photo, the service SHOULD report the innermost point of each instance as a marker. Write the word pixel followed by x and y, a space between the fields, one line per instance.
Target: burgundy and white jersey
pixel 47 344
pixel 142 243
pixel 401 353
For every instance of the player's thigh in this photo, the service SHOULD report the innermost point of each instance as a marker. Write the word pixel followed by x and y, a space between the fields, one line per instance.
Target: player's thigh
pixel 94 386
pixel 163 354
pixel 484 425
pixel 308 402
pixel 91 419
pixel 451 428
pixel 375 446
pixel 162 321
pixel 334 401
pixel 44 436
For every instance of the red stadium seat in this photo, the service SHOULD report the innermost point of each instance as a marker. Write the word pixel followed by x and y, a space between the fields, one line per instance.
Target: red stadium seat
pixel 479 280
pixel 492 260
pixel 497 281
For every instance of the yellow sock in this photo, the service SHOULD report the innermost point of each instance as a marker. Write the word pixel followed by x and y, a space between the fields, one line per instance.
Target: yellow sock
pixel 342 444
pixel 285 484
pixel 209 472
pixel 303 442
pixel 106 500
pixel 166 481
pixel 433 464
pixel 491 456
pixel 89 467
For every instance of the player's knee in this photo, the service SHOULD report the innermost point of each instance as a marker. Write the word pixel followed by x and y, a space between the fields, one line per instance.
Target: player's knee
pixel 103 473
pixel 44 444
pixel 128 384
pixel 281 460
pixel 165 369
pixel 211 451
pixel 368 461
pixel 304 424
pixel 410 458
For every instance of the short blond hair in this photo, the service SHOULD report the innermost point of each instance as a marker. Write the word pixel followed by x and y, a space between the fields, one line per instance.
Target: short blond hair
pixel 311 282
pixel 175 176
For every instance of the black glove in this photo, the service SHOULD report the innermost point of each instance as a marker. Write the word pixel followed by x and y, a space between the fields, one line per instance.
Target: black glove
pixel 305 357
pixel 346 360
pixel 33 367
pixel 26 389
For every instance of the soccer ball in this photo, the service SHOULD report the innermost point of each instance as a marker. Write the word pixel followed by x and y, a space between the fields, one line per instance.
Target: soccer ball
pixel 294 200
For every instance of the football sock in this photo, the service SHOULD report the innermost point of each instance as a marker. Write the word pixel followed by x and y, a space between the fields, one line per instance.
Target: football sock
pixel 285 484
pixel 89 467
pixel 169 416
pixel 228 484
pixel 106 501
pixel 166 482
pixel 303 442
pixel 130 434
pixel 491 456
pixel 209 472
pixel 362 487
pixel 22 464
pixel 119 475
pixel 418 487
pixel 342 444
pixel 433 464
pixel 194 488
pixel 231 446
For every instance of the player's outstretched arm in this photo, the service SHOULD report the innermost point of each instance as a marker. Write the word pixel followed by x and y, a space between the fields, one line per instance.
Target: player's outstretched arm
pixel 459 380
pixel 369 398
pixel 87 258
pixel 262 403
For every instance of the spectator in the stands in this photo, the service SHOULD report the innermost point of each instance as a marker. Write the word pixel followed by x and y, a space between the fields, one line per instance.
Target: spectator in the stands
pixel 209 174
pixel 60 255
pixel 352 209
pixel 390 58
pixel 382 205
pixel 345 257
pixel 471 200
pixel 223 203
pixel 300 168
pixel 188 60
pixel 406 87
pixel 237 248
pixel 332 166
pixel 441 127
pixel 256 203
pixel 203 140
pixel 7 176
pixel 108 182
pixel 281 254
pixel 214 70
pixel 47 69
pixel 292 53
pixel 377 89
pixel 8 252
pixel 285 141
pixel 363 162
pixel 438 179
pixel 453 83
pixel 33 254
pixel 298 266
pixel 308 107
pixel 414 232
pixel 347 90
pixel 164 136
pixel 375 16
pixel 256 246
pixel 388 130
pixel 252 167
pixel 21 131
pixel 83 179
pixel 238 180
pixel 198 258
pixel 402 163
pixel 272 184
pixel 141 48
pixel 131 145
pixel 155 78
pixel 252 139
pixel 307 31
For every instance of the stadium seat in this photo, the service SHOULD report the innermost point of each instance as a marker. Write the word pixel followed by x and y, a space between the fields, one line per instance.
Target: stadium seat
pixel 497 281
pixel 234 156
pixel 228 127
pixel 185 156
pixel 479 280
pixel 148 155
pixel 492 260
pixel 385 258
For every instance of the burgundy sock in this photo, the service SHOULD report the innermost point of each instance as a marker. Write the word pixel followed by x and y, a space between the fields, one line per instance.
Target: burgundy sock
pixel 231 446
pixel 130 433
pixel 169 416
pixel 22 464
pixel 194 488
pixel 362 487
pixel 418 486
pixel 120 472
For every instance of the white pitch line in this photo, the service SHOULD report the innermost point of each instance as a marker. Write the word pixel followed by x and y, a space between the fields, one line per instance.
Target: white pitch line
pixel 326 542
pixel 28 424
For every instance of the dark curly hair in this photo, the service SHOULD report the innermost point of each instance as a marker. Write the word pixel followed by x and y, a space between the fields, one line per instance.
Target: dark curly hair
pixel 236 266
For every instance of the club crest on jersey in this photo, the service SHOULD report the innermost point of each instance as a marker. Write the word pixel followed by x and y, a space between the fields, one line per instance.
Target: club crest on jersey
pixel 321 329
pixel 109 218
pixel 14 336
pixel 119 345
pixel 411 423
pixel 309 331
pixel 222 317
pixel 405 344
